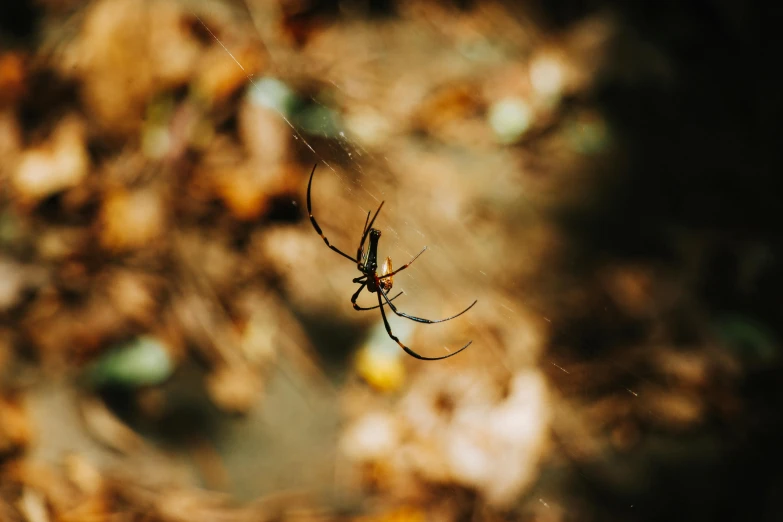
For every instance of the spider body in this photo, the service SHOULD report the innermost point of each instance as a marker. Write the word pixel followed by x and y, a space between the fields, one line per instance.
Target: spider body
pixel 375 283
pixel 370 263
pixel 369 268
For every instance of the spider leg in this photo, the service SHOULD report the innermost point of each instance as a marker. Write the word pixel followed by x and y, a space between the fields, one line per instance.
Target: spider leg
pixel 421 319
pixel 408 350
pixel 366 220
pixel 356 296
pixel 315 223
pixel 403 267
pixel 367 228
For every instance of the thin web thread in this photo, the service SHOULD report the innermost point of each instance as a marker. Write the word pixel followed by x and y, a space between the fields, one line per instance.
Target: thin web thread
pixel 345 142
pixel 254 84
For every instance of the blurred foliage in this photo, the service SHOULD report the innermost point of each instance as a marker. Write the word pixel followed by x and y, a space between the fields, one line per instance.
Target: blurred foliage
pixel 602 176
pixel 142 362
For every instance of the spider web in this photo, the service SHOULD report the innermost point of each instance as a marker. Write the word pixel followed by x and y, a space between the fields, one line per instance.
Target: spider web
pixel 469 210
pixel 448 277
pixel 429 201
pixel 453 271
pixel 441 275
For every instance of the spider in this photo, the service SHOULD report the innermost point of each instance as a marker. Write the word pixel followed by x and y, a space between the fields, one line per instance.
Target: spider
pixel 367 263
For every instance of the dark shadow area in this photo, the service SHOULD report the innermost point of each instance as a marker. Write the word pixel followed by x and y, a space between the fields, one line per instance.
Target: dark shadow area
pixel 702 175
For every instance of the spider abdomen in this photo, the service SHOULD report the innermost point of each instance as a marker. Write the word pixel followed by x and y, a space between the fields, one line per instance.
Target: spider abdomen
pixel 386 268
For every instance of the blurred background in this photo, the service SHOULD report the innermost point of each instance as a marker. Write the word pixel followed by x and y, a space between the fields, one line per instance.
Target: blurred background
pixel 178 344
